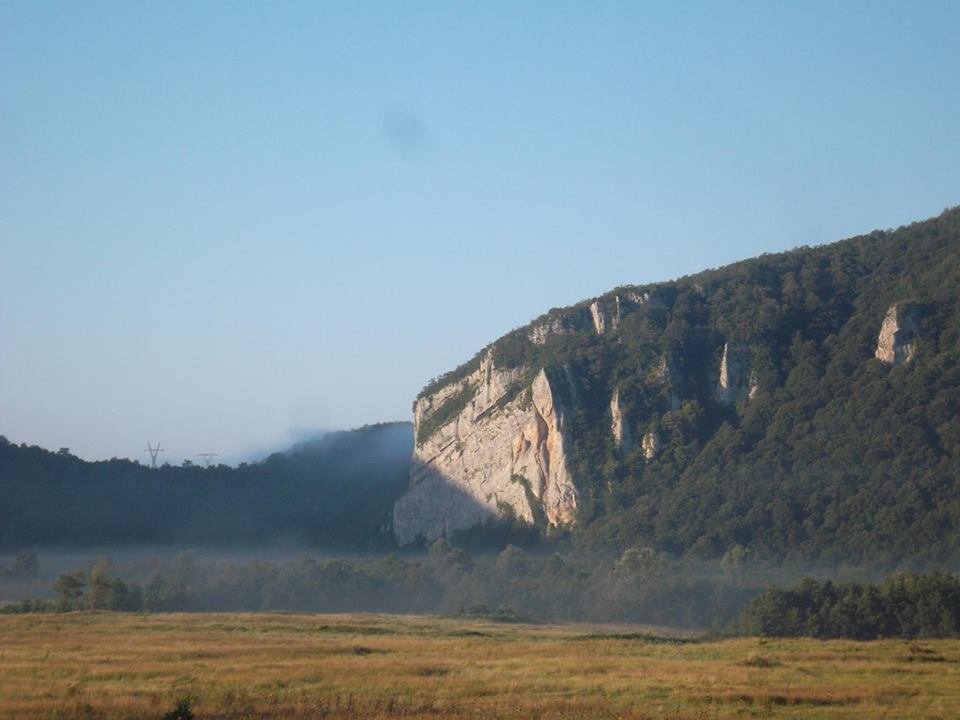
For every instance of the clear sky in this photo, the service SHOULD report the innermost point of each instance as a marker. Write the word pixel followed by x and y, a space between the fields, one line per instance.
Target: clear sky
pixel 226 224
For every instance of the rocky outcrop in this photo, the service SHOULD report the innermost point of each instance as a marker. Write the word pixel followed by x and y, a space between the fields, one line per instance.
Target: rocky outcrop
pixel 895 344
pixel 605 318
pixel 504 452
pixel 599 317
pixel 651 445
pixel 621 433
pixel 557 325
pixel 736 381
pixel 602 316
pixel 668 378
pixel 644 384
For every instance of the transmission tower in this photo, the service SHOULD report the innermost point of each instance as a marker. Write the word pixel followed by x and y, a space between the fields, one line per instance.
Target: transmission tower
pixel 207 457
pixel 154 451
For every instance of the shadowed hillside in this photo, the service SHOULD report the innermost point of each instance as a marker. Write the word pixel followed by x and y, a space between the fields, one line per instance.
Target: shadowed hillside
pixel 335 491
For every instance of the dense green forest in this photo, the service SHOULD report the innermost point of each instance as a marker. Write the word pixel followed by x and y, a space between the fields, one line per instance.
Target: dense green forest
pixel 822 453
pixel 336 491
pixel 900 606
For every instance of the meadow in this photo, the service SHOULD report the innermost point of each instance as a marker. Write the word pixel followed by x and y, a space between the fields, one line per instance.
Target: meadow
pixel 95 665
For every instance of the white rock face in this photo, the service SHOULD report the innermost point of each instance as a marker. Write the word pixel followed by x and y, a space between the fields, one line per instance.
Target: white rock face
pixel 599 317
pixel 621 434
pixel 895 344
pixel 604 320
pixel 604 316
pixel 735 379
pixel 492 457
pixel 651 445
pixel 554 326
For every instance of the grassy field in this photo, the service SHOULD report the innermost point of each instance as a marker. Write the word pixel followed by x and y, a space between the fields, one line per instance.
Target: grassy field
pixel 104 665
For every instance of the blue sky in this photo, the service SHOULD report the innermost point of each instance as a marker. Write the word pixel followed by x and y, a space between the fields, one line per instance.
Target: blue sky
pixel 226 224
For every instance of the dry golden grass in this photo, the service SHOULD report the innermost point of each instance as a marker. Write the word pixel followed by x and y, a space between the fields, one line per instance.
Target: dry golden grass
pixel 104 665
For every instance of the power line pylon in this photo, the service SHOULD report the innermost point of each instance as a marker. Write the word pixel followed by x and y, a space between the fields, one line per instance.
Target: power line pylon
pixel 154 451
pixel 207 457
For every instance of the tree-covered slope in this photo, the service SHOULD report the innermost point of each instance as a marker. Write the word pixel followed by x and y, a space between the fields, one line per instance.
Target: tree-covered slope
pixel 752 409
pixel 336 491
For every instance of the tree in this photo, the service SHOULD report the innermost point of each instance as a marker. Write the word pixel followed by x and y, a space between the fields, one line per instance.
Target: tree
pixel 734 561
pixel 639 566
pixel 101 586
pixel 69 588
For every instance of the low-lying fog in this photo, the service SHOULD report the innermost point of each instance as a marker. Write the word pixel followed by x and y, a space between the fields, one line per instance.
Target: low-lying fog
pixel 638 585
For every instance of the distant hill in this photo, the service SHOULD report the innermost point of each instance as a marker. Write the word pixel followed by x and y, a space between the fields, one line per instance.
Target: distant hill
pixel 336 491
pixel 802 405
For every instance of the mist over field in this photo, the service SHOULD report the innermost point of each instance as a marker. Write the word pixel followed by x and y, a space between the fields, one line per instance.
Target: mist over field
pixel 368 361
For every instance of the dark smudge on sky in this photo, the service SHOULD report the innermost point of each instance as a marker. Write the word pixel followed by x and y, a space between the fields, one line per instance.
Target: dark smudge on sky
pixel 405 132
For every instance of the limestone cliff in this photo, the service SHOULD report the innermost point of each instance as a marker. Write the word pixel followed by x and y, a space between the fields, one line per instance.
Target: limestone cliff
pixel 736 381
pixel 599 318
pixel 501 449
pixel 895 344
pixel 558 325
pixel 621 432
pixel 651 445
pixel 666 375
pixel 642 411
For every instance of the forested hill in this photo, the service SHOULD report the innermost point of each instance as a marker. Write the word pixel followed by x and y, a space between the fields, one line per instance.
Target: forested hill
pixel 801 405
pixel 336 491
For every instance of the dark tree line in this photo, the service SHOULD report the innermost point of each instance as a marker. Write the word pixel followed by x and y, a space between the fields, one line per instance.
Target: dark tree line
pixel 911 606
pixel 337 491
pixel 639 585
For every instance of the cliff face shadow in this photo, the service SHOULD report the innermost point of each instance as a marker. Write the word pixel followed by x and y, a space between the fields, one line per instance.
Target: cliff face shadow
pixel 434 506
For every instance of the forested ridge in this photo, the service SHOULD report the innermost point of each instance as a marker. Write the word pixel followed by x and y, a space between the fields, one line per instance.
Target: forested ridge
pixel 833 457
pixel 336 491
